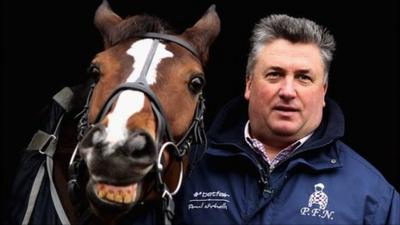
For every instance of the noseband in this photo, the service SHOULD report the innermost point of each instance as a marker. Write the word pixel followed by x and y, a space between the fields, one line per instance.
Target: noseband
pixel 164 139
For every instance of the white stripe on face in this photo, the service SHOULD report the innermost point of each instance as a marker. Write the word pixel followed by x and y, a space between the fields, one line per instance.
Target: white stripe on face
pixel 130 102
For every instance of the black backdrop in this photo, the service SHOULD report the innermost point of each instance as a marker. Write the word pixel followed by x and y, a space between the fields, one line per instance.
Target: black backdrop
pixel 47 45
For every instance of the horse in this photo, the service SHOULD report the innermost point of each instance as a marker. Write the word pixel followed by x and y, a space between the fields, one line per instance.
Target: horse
pixel 137 117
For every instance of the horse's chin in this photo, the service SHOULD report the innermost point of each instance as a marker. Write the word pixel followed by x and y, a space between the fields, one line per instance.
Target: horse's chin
pixel 112 199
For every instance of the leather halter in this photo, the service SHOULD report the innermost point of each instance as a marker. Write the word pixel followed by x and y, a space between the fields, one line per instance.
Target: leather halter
pixel 195 133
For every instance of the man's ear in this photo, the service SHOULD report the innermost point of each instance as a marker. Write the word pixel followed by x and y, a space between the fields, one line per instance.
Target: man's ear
pixel 325 91
pixel 247 91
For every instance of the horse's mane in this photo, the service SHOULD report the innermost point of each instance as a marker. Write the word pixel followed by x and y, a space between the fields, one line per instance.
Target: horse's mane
pixel 136 25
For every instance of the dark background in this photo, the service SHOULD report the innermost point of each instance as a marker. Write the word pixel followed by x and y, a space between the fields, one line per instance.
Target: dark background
pixel 48 45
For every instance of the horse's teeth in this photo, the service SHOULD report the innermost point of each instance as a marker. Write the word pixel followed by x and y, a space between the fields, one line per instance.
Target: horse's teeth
pixel 127 198
pixel 116 194
pixel 101 193
pixel 118 198
pixel 110 196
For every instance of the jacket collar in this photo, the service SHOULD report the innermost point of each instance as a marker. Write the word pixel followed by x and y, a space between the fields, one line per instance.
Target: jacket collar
pixel 317 161
pixel 226 131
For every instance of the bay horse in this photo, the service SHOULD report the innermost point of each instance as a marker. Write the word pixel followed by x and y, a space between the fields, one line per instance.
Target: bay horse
pixel 142 111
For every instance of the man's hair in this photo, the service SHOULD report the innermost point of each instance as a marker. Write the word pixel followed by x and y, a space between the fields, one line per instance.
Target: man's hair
pixel 295 30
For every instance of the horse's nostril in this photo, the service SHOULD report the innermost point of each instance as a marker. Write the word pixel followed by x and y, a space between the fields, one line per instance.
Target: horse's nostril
pixel 137 142
pixel 98 137
pixel 95 137
pixel 140 145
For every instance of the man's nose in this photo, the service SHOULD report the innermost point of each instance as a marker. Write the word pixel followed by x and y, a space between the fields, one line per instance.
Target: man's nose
pixel 287 90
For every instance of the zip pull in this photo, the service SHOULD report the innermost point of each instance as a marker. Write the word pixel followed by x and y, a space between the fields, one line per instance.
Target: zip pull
pixel 263 175
pixel 264 180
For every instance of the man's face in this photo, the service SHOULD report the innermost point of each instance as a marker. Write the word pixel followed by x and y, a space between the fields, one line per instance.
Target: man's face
pixel 286 92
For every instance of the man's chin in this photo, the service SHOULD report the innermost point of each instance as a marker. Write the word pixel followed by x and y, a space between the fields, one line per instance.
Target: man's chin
pixel 285 129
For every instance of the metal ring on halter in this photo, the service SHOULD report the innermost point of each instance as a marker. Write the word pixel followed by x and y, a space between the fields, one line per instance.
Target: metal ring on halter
pixel 160 168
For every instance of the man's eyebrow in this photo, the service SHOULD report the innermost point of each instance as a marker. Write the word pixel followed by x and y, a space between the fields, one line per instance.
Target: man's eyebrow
pixel 303 71
pixel 274 68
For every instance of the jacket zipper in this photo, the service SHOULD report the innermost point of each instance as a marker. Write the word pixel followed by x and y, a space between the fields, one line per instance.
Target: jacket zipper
pixel 264 180
pixel 262 168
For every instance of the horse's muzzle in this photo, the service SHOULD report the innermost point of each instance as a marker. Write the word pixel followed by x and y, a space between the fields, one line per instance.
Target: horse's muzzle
pixel 116 170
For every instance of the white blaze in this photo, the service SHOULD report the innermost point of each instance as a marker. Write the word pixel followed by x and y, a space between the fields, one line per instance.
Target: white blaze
pixel 130 102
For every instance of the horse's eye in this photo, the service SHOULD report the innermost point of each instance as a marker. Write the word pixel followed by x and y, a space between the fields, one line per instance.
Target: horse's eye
pixel 94 71
pixel 196 84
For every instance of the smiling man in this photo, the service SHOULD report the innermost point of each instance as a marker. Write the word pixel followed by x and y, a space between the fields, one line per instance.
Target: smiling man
pixel 275 157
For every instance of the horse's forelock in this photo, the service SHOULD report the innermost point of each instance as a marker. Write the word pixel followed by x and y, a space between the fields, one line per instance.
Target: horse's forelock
pixel 136 25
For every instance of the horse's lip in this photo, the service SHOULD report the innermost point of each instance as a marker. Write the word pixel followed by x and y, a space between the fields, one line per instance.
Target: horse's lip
pixel 118 182
pixel 134 176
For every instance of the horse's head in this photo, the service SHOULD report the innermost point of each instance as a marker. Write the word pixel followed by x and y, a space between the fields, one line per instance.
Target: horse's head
pixel 145 107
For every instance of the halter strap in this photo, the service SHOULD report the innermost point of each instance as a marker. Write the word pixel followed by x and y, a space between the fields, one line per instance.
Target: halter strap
pixel 141 85
pixel 173 39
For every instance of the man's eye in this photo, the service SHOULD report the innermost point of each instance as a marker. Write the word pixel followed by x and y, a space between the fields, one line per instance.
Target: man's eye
pixel 304 77
pixel 273 75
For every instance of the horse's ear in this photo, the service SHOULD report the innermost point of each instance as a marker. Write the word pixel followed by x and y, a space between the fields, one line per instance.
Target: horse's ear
pixel 105 20
pixel 204 32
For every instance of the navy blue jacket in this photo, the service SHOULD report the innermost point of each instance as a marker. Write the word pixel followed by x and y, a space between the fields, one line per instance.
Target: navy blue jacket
pixel 323 182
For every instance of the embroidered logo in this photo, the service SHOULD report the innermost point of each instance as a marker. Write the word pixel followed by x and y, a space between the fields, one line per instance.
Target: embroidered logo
pixel 209 200
pixel 317 204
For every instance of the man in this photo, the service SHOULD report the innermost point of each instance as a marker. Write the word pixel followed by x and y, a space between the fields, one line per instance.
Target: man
pixel 280 159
